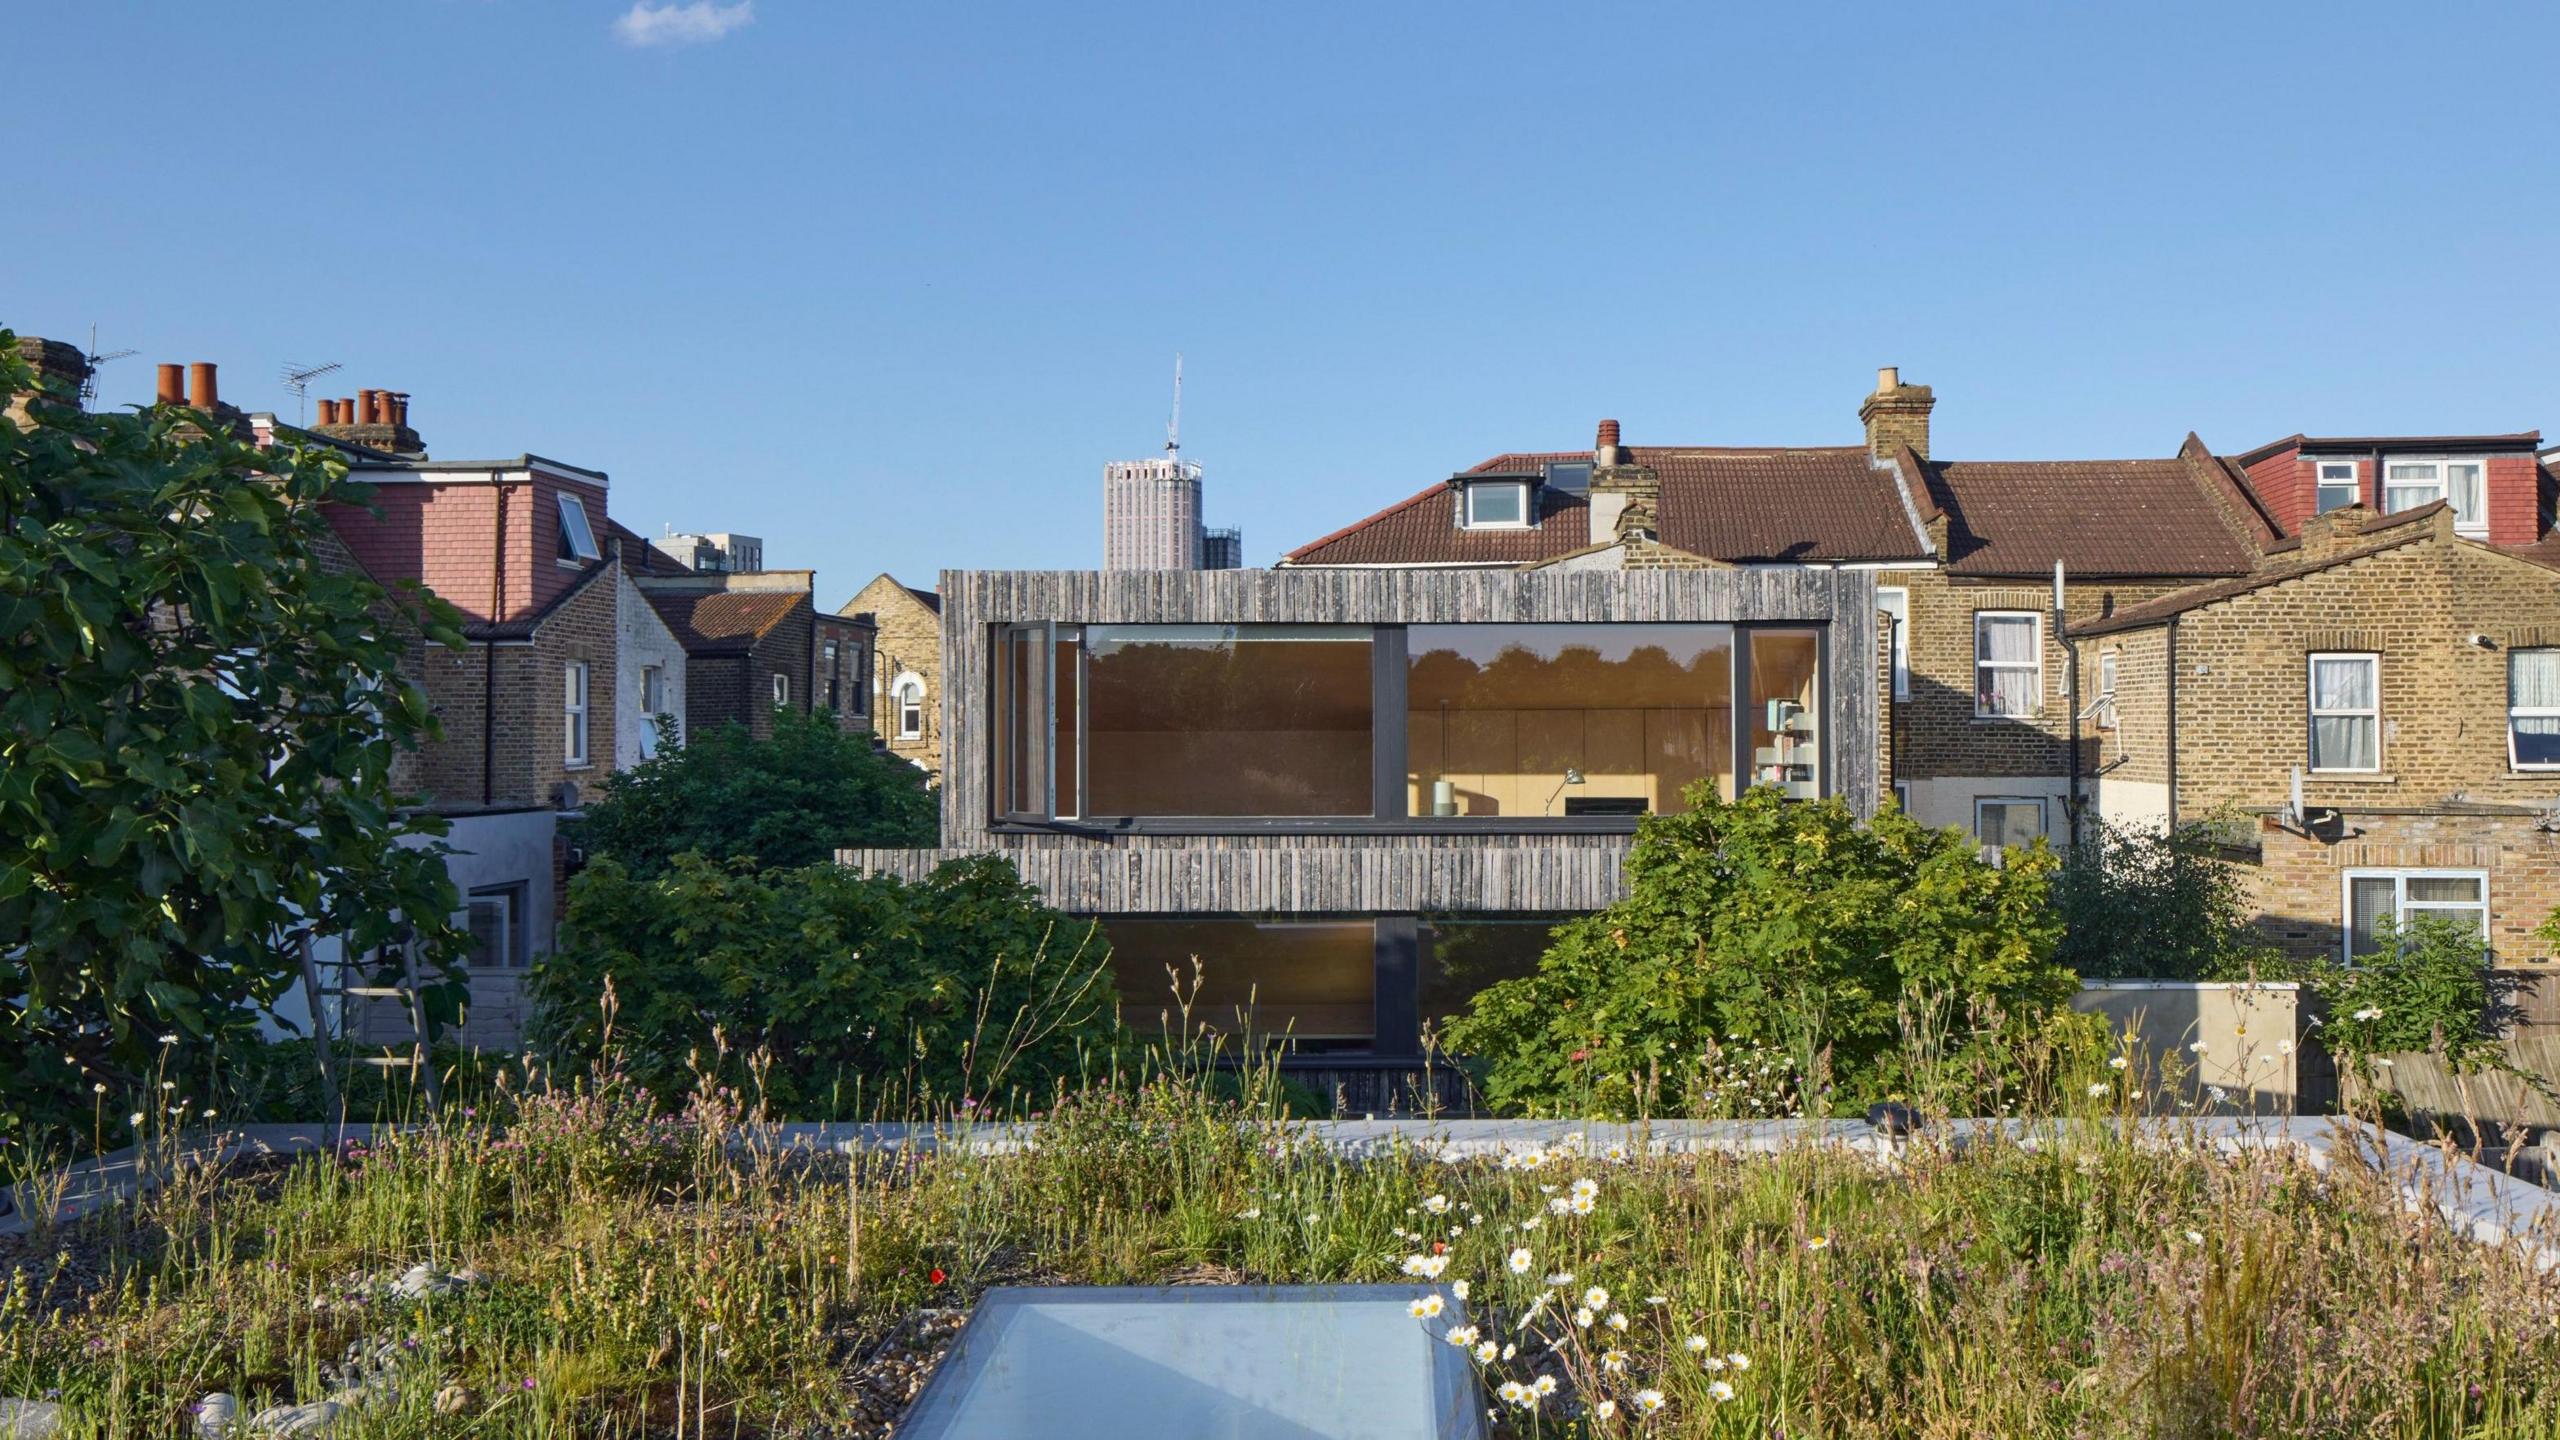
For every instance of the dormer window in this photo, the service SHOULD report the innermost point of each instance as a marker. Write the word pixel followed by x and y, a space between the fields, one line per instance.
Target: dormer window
pixel 1495 505
pixel 2338 487
pixel 577 541
pixel 2408 484
pixel 1571 476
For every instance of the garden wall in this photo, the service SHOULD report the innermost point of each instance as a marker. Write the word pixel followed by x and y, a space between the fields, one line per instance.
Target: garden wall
pixel 2251 1036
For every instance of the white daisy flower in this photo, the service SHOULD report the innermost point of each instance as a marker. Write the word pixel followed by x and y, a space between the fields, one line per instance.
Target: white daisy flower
pixel 1586 1186
pixel 2098 1090
pixel 1519 1261
pixel 1459 1288
pixel 1818 1242
pixel 1484 1352
pixel 1713 1363
pixel 1597 1297
pixel 1605 1409
pixel 1614 1361
pixel 1560 1279
pixel 1513 1393
pixel 1720 1391
pixel 1463 1336
pixel 2117 1063
pixel 1617 1321
pixel 1648 1401
pixel 1426 1307
pixel 1695 1344
pixel 1738 1360
pixel 1544 1385
pixel 1436 1204
pixel 1582 1319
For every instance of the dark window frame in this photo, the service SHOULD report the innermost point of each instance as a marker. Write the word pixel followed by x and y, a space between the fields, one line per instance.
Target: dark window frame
pixel 1388 652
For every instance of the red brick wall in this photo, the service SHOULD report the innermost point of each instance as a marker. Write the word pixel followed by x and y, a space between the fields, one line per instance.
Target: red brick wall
pixel 2515 516
pixel 2290 487
pixel 442 533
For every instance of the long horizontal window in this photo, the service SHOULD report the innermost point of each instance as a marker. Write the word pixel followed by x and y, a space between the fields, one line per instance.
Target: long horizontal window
pixel 1566 719
pixel 1311 985
pixel 1546 725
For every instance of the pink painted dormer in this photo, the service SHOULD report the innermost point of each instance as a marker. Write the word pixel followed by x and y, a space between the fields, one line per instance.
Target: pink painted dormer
pixel 2493 482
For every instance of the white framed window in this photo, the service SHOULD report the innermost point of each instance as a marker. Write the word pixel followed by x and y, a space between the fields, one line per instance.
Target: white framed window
pixel 2007 821
pixel 2403 897
pixel 577 540
pixel 1497 505
pixel 2346 712
pixel 1895 602
pixel 781 688
pixel 2338 487
pixel 908 693
pixel 2107 689
pixel 2408 484
pixel 2008 663
pixel 573 714
pixel 489 917
pixel 2533 709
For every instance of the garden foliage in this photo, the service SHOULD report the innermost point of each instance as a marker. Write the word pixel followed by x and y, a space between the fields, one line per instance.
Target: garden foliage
pixel 1784 925
pixel 794 799
pixel 199 717
pixel 827 994
pixel 2155 905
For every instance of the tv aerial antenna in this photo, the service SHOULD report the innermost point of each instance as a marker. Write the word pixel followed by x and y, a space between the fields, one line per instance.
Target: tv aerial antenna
pixel 298 378
pixel 96 358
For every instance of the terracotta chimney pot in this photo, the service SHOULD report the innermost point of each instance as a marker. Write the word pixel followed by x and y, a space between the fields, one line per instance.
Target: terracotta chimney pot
pixel 173 384
pixel 201 389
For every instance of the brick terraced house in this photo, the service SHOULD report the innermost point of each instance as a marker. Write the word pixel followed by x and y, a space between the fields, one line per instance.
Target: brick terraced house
pixel 2212 619
pixel 905 678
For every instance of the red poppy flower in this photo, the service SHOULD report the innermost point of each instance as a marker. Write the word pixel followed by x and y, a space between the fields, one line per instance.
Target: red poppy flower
pixel 935 1275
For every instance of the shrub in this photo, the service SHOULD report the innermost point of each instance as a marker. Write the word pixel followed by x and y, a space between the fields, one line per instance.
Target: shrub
pixel 2427 988
pixel 2156 905
pixel 794 799
pixel 1779 924
pixel 825 993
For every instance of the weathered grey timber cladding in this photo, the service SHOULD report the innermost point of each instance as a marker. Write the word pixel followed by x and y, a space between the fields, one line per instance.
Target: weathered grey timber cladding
pixel 1349 873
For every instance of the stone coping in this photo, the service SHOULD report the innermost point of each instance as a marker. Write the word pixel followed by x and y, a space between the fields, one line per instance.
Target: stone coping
pixel 2484 1204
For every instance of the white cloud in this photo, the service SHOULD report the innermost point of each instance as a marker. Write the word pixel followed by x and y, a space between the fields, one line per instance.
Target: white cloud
pixel 671 24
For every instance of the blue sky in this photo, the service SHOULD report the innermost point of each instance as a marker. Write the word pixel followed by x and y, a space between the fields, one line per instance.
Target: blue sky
pixel 888 284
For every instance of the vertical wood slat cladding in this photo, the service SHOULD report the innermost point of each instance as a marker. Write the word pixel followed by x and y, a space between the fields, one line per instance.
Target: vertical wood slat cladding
pixel 1175 874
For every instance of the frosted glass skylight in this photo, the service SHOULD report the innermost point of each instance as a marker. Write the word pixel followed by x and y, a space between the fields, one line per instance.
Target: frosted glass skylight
pixel 1340 1362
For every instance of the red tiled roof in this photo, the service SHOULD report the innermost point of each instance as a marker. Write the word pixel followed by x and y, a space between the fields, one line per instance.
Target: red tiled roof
pixel 2098 517
pixel 1726 503
pixel 722 620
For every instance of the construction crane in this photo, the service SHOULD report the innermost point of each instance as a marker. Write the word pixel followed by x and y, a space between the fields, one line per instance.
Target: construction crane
pixel 96 358
pixel 298 378
pixel 1173 427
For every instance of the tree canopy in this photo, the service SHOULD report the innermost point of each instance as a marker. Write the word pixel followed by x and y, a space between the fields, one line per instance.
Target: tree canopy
pixel 792 800
pixel 200 709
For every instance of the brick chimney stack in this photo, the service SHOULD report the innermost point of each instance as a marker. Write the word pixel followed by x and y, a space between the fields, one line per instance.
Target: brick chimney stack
pixel 1896 415
pixel 59 370
pixel 374 419
pixel 1624 497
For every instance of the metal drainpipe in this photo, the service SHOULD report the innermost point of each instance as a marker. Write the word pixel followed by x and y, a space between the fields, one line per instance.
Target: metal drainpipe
pixel 2173 721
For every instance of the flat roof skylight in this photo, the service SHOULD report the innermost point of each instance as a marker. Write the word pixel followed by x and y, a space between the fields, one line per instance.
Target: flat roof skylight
pixel 1342 1362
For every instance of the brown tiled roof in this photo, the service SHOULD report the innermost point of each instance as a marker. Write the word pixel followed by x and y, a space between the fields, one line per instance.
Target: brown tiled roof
pixel 2176 517
pixel 2400 529
pixel 2099 517
pixel 721 621
pixel 1737 504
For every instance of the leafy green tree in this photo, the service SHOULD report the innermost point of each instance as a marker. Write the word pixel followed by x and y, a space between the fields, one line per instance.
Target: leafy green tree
pixel 830 993
pixel 792 800
pixel 1785 925
pixel 2155 905
pixel 199 715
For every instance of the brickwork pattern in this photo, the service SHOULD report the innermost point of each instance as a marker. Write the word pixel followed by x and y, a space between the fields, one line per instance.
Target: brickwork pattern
pixel 2299 886
pixel 910 642
pixel 1936 733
